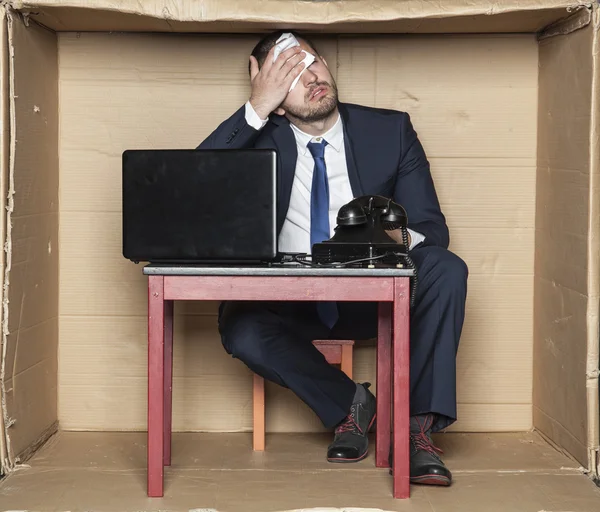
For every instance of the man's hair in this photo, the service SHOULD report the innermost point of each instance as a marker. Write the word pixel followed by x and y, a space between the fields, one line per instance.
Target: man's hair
pixel 263 47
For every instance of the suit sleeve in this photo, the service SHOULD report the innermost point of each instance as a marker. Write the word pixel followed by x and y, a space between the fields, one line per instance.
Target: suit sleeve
pixel 415 190
pixel 234 133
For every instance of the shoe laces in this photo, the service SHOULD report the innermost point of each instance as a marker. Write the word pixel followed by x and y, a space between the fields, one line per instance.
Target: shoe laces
pixel 349 424
pixel 422 440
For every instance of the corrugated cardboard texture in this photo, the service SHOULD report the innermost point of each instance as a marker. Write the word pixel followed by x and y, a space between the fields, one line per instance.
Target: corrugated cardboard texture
pixel 31 328
pixel 473 100
pixel 562 240
pixel 350 16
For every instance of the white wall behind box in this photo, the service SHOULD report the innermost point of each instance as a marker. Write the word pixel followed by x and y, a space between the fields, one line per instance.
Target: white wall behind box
pixel 473 101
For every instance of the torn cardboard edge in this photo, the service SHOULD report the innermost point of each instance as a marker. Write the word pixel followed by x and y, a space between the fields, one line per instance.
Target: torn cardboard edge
pixel 4 163
pixel 8 193
pixel 593 305
pixel 580 18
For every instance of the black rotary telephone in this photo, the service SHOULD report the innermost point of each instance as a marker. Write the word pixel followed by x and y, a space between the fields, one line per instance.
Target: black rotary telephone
pixel 360 238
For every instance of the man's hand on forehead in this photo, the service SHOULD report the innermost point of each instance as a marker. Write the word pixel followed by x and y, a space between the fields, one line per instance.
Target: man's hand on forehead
pixel 287 41
pixel 272 82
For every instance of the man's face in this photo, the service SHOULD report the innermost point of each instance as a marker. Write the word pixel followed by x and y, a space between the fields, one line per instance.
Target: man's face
pixel 315 96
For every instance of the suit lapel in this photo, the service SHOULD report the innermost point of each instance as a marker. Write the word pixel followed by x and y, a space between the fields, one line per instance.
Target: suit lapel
pixel 353 174
pixel 285 144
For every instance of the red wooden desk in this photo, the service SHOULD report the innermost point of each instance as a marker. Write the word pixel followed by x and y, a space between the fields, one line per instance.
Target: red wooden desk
pixel 388 287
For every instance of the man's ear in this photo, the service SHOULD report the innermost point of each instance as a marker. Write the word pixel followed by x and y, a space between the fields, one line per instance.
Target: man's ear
pixel 280 112
pixel 253 66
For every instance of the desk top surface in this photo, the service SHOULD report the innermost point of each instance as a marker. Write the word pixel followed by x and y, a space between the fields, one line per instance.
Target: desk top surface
pixel 289 270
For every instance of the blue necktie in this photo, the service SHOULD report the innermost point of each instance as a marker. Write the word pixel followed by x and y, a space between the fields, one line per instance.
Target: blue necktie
pixel 319 218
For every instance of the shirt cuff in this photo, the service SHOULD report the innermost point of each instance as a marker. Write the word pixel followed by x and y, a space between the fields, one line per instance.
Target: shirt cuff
pixel 252 118
pixel 415 238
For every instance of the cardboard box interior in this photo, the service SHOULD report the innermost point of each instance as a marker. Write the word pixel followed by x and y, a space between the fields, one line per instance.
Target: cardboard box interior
pixel 505 112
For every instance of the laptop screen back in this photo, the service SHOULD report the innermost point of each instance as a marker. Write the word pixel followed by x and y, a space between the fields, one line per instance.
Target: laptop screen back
pixel 194 206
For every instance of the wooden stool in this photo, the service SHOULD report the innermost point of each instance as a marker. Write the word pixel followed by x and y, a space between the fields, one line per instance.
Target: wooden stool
pixel 335 351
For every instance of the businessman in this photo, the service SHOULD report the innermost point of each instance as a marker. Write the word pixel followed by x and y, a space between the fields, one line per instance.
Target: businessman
pixel 330 152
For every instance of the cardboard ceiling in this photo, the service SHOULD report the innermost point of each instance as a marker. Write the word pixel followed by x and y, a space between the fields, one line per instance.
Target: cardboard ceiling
pixel 337 16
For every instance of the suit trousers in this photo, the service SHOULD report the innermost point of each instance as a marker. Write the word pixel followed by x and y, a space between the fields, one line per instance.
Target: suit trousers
pixel 274 339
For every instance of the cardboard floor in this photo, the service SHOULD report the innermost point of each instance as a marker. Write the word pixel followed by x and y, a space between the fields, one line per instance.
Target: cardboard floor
pixel 78 471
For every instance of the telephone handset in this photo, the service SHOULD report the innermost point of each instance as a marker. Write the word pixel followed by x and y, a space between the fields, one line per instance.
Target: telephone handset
pixel 360 237
pixel 359 210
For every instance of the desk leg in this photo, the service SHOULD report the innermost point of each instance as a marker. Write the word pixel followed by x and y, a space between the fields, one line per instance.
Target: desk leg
pixel 401 387
pixel 384 385
pixel 156 369
pixel 168 391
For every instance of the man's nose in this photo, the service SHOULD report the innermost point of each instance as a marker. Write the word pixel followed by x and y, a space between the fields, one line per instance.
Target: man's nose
pixel 308 78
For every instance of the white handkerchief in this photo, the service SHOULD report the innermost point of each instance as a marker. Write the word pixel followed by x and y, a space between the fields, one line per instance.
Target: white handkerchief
pixel 286 41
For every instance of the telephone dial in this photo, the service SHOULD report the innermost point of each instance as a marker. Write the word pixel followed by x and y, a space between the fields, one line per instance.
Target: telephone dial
pixel 360 238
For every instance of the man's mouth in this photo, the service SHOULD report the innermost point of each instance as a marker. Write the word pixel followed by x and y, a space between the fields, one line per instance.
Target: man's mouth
pixel 318 92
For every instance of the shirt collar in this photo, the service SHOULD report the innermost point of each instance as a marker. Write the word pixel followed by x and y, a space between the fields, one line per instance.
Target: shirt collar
pixel 334 137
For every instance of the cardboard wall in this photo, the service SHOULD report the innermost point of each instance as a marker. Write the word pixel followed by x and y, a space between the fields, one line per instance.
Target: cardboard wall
pixel 4 163
pixel 473 100
pixel 565 254
pixel 30 316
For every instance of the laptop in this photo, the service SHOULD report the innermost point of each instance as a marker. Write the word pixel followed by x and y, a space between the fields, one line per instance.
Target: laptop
pixel 199 206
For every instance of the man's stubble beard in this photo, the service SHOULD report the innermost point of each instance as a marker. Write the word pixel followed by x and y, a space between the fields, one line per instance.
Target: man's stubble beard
pixel 322 110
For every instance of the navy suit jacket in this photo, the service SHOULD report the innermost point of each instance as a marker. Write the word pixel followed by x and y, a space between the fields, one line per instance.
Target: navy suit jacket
pixel 383 154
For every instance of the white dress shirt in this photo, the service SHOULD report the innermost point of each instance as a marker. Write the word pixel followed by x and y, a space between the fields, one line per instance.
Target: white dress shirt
pixel 295 233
